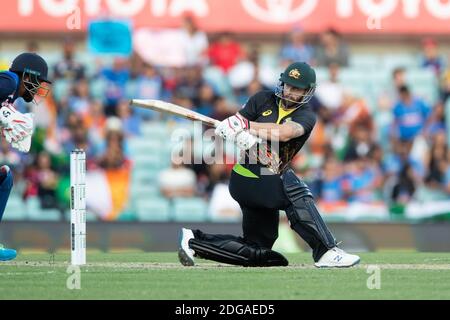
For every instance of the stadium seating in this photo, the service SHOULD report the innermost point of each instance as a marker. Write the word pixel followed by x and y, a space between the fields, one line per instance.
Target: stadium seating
pixel 36 213
pixel 45 215
pixel 423 83
pixel 144 145
pixel 15 209
pixel 144 190
pixel 365 61
pixel 153 209
pixel 189 209
pixel 155 130
pixel 395 60
pixel 144 177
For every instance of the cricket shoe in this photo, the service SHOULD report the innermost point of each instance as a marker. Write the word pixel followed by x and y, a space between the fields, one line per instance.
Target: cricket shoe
pixel 7 254
pixel 337 258
pixel 186 254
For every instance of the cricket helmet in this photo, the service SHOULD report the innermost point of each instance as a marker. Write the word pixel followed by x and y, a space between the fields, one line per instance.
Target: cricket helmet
pixel 33 71
pixel 298 75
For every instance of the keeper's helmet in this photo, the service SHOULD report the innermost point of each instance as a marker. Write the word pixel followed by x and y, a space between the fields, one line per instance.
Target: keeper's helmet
pixel 33 71
pixel 299 75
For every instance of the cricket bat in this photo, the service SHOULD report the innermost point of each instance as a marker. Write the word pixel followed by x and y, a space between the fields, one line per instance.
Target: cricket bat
pixel 167 107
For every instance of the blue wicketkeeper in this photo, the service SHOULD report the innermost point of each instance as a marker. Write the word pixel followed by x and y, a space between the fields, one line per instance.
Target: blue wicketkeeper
pixel 27 79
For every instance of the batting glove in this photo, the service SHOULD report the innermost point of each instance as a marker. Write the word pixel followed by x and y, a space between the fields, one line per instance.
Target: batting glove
pixel 245 140
pixel 231 126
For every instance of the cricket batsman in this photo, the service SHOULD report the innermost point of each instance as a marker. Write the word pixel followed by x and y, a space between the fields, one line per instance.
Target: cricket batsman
pixel 262 182
pixel 27 79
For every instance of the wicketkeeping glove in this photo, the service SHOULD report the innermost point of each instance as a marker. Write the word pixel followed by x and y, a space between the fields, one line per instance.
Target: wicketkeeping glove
pixel 15 125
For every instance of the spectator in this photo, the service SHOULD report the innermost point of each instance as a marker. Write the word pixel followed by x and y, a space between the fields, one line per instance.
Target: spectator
pixel 189 83
pixel 116 168
pixel 95 120
pixel 206 99
pixel 68 68
pixel 330 93
pixel 217 173
pixel 221 205
pixel 445 83
pixel 296 49
pixel 436 122
pixel 148 85
pixel 390 94
pixel 177 181
pixel 246 70
pixel 364 179
pixel 399 79
pixel 332 50
pixel 184 102
pixel 194 159
pixel 114 130
pixel 130 121
pixel 410 115
pixel 393 164
pixel 251 89
pixel 438 166
pixel 80 101
pixel 331 184
pixel 354 113
pixel 431 58
pixel 79 138
pixel 225 52
pixel 114 156
pixel 116 78
pixel 384 117
pixel 42 181
pixel 405 185
pixel 136 66
pixel 197 42
pixel 222 109
pixel 360 143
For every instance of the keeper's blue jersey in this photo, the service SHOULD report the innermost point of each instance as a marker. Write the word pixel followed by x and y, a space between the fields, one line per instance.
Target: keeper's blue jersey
pixel 9 87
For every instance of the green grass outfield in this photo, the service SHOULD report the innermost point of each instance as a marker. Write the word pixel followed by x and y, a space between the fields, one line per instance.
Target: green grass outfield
pixel 132 275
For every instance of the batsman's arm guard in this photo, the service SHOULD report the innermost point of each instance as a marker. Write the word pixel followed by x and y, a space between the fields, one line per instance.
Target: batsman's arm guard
pixel 303 215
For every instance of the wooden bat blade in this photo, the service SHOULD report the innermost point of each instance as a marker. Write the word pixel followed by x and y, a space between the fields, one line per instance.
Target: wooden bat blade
pixel 167 107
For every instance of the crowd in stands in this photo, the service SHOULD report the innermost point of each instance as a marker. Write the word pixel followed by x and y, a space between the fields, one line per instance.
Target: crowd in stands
pixel 391 154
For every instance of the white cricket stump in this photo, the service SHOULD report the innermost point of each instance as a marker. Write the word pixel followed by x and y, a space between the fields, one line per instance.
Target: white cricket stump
pixel 78 207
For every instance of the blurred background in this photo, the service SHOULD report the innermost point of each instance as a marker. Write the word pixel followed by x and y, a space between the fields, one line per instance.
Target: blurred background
pixel 378 160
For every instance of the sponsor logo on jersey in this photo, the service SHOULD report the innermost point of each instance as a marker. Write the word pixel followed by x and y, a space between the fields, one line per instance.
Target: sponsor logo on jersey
pixel 267 113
